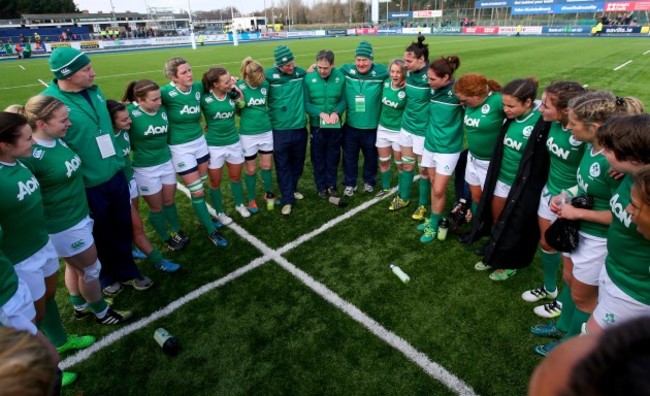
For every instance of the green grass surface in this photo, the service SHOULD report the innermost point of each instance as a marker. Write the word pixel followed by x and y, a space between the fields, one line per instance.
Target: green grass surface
pixel 266 332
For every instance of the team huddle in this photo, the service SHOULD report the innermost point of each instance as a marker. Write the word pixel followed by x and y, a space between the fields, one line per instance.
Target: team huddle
pixel 73 165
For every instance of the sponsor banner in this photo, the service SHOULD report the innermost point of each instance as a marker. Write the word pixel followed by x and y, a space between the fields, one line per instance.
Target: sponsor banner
pixel 620 6
pixel 552 5
pixel 398 15
pixel 171 40
pixel 415 30
pixel 337 32
pixel 427 14
pixel 126 43
pixel 492 4
pixel 389 31
pixel 447 29
pixel 566 29
pixel 481 30
pixel 49 47
pixel 362 31
pixel 270 35
pixel 557 9
pixel 621 29
pixel 511 30
pixel 89 45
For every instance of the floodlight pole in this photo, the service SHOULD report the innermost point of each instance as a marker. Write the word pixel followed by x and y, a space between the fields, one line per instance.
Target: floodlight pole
pixel 233 28
pixel 189 7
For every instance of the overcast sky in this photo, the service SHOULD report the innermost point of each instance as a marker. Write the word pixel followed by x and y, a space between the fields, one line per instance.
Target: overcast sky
pixel 177 5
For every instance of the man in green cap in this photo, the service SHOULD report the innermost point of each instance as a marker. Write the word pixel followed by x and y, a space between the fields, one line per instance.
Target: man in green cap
pixel 107 191
pixel 363 89
pixel 287 113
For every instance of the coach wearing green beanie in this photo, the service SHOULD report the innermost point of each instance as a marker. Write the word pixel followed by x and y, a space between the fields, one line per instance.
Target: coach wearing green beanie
pixel 91 137
pixel 288 119
pixel 363 88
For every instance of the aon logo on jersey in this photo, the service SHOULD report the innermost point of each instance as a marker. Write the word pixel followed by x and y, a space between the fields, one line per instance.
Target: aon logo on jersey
pixel 224 115
pixel 513 144
pixel 155 130
pixel 389 102
pixel 191 109
pixel 72 165
pixel 27 188
pixel 256 102
pixel 583 184
pixel 472 122
pixel 557 150
pixel 619 211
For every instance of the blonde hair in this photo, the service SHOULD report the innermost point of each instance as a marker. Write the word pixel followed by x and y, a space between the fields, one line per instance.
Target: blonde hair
pixel 41 107
pixel 16 109
pixel 252 72
pixel 26 366
pixel 171 66
pixel 594 106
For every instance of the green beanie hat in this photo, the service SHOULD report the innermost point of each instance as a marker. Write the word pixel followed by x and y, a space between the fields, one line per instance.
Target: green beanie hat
pixel 364 50
pixel 66 61
pixel 282 55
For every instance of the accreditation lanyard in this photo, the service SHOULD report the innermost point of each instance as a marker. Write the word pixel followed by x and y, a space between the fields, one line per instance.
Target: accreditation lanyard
pixel 360 99
pixel 103 139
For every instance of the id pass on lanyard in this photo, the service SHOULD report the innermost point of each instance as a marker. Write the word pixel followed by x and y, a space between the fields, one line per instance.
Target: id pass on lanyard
pixel 360 104
pixel 105 144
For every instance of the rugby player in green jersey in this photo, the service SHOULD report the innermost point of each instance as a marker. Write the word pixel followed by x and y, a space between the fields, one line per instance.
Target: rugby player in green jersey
pixel 189 150
pixel 393 102
pixel 256 133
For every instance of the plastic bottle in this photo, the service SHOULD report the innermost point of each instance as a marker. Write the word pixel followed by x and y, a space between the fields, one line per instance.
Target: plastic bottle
pixel 167 342
pixel 400 274
pixel 563 198
pixel 443 227
pixel 338 202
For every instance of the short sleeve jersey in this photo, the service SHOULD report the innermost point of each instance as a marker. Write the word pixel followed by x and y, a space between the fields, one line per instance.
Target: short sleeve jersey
pixel 123 143
pixel 393 102
pixel 483 125
pixel 418 94
pixel 58 171
pixel 565 153
pixel 220 120
pixel 184 112
pixel 21 213
pixel 254 117
pixel 594 180
pixel 148 136
pixel 628 252
pixel 445 127
pixel 514 144
pixel 8 278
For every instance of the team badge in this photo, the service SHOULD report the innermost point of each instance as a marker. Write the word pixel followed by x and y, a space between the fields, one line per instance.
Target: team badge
pixel 197 95
pixel 126 136
pixel 528 130
pixel 37 153
pixel 232 102
pixel 263 91
pixel 485 109
pixel 594 169
pixel 574 142
pixel 164 116
pixel 401 94
pixel 313 80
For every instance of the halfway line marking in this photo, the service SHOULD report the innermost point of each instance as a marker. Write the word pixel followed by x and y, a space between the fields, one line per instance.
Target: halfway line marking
pixel 623 65
pixel 43 82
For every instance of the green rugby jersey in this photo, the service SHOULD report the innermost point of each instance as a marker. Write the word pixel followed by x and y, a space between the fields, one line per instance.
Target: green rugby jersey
pixel 58 171
pixel 124 146
pixel 418 94
pixel 515 143
pixel 148 136
pixel 393 102
pixel 286 99
pixel 594 180
pixel 21 213
pixel 90 121
pixel 363 95
pixel 220 120
pixel 628 252
pixel 483 125
pixel 565 153
pixel 445 128
pixel 184 112
pixel 254 117
pixel 8 278
pixel 324 95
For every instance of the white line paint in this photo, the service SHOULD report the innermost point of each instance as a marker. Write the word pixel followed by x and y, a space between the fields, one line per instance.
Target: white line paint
pixel 43 83
pixel 21 67
pixel 647 52
pixel 623 65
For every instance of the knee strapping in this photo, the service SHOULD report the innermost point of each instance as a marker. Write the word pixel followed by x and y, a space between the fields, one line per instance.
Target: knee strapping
pixel 384 159
pixel 91 273
pixel 204 177
pixel 408 160
pixel 196 187
pixel 398 162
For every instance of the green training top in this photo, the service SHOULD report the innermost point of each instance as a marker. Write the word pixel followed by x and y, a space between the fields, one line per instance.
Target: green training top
pixel 628 252
pixel 124 145
pixel 286 99
pixel 594 180
pixel 363 95
pixel 483 125
pixel 90 122
pixel 220 120
pixel 254 117
pixel 393 102
pixel 148 136
pixel 515 143
pixel 324 95
pixel 8 278
pixel 57 169
pixel 418 94
pixel 21 213
pixel 184 112
pixel 445 128
pixel 565 153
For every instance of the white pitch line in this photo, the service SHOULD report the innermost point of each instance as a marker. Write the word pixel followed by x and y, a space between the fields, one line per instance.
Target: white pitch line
pixel 21 67
pixel 43 83
pixel 647 52
pixel 623 65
